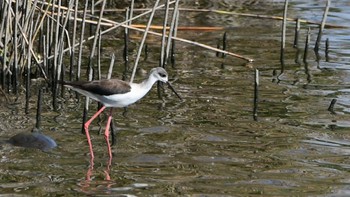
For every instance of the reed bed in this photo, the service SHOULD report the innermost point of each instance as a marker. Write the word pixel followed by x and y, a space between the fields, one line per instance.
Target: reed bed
pixel 46 40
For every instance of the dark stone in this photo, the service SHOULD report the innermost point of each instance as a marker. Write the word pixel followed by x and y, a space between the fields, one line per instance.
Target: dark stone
pixel 33 140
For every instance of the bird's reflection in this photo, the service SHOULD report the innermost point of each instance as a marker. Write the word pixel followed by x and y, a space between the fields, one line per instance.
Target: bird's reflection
pixel 90 170
pixel 91 184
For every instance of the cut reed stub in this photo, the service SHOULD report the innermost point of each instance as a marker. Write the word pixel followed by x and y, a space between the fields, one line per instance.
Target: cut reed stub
pixel 256 95
pixel 224 44
pixel 307 41
pixel 38 110
pixel 327 50
pixel 297 31
pixel 331 106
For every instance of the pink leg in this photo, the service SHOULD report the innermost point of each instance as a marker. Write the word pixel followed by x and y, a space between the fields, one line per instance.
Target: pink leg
pixel 90 170
pixel 86 127
pixel 108 169
pixel 107 134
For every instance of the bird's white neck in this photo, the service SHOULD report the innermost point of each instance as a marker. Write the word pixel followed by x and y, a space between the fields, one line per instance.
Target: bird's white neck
pixel 148 83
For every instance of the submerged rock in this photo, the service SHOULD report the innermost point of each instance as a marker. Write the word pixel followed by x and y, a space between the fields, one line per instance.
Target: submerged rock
pixel 33 140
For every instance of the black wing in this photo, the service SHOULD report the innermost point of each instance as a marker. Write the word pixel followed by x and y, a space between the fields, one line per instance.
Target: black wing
pixel 102 87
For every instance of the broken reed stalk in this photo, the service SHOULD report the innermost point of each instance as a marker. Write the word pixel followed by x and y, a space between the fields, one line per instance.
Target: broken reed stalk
pixel 143 41
pixel 327 50
pixel 307 41
pixel 331 106
pixel 218 47
pixel 38 110
pixel 284 24
pixel 256 95
pixel 224 44
pixel 319 36
pixel 296 33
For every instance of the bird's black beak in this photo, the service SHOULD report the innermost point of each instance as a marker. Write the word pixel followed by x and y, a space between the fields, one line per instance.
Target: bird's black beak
pixel 172 89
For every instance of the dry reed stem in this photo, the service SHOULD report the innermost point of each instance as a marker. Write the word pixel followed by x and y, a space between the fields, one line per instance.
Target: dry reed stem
pixel 143 41
pixel 113 25
pixel 259 16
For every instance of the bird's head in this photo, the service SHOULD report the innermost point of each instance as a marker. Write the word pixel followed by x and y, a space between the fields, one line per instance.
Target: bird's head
pixel 160 74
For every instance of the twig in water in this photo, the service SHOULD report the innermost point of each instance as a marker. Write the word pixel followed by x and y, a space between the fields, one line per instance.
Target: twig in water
pixel 331 106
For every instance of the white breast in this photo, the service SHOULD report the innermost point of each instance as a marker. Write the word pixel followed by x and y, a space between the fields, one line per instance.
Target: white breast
pixel 123 100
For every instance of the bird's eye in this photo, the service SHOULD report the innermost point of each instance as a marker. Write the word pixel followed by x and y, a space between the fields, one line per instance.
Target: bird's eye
pixel 162 74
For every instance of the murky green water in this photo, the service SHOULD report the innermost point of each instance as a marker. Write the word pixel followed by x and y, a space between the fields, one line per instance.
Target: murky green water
pixel 208 144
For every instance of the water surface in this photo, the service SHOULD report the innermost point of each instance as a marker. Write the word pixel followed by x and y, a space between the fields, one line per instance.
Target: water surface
pixel 208 144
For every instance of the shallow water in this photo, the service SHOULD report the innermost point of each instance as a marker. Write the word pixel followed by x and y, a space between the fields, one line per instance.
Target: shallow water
pixel 208 144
